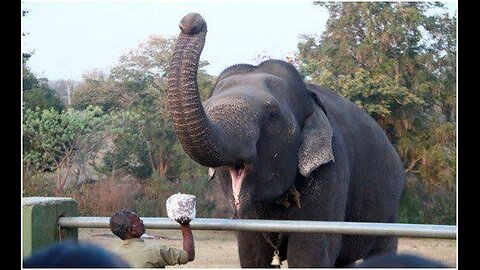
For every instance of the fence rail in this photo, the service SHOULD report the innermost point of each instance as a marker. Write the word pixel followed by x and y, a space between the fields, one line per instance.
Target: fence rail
pixel 331 227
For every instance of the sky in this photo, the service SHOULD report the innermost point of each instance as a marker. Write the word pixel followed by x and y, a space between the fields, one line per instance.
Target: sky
pixel 72 37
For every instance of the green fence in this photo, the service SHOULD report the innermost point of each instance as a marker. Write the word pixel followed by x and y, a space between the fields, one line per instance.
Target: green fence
pixel 40 221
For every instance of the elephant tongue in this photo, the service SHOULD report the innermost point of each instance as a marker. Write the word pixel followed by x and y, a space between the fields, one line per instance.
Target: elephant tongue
pixel 237 176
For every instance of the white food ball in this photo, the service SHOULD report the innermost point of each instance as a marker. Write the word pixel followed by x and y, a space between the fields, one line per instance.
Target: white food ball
pixel 181 206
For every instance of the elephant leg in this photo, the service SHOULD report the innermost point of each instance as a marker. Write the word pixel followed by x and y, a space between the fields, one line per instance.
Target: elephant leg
pixel 386 244
pixel 313 250
pixel 253 250
pixel 359 247
pixel 354 248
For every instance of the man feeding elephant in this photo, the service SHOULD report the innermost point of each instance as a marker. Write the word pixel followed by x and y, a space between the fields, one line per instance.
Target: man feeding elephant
pixel 286 150
pixel 128 226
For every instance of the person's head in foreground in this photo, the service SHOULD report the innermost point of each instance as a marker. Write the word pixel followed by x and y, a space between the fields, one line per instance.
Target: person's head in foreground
pixel 74 254
pixel 400 261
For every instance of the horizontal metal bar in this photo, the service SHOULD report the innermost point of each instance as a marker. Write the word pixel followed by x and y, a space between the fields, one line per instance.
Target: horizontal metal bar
pixel 297 226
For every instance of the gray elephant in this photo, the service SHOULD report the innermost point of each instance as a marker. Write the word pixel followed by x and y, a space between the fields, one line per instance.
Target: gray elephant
pixel 285 150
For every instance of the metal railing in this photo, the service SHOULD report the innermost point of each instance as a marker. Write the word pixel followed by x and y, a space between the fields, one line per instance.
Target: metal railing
pixel 296 226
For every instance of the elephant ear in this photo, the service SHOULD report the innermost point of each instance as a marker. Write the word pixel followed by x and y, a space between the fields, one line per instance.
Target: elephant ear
pixel 316 147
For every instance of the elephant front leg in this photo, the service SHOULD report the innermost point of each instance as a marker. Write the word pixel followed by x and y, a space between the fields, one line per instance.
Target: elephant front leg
pixel 253 250
pixel 313 250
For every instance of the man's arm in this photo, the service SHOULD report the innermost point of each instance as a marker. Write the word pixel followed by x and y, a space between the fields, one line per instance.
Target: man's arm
pixel 188 242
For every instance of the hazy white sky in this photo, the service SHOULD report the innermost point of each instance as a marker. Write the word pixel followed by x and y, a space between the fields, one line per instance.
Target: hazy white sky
pixel 72 37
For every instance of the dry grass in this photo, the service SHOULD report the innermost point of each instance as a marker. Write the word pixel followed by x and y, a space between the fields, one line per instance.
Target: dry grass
pixel 104 198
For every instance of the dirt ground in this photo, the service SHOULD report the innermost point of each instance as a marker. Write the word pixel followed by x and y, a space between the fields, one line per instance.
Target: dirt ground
pixel 217 249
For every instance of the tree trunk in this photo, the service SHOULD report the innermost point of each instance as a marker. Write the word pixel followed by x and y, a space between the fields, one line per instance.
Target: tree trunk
pixel 162 168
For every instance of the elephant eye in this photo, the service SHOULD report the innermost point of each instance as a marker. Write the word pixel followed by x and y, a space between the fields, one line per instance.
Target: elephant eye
pixel 272 114
pixel 271 110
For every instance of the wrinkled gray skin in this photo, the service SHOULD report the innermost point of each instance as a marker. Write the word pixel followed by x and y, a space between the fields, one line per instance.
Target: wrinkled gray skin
pixel 264 131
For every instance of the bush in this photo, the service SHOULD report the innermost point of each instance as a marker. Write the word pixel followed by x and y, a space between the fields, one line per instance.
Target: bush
pixel 150 201
pixel 104 198
pixel 44 98
pixel 41 184
pixel 422 204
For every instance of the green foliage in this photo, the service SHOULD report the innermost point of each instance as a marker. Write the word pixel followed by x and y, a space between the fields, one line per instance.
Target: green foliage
pixel 396 60
pixel 43 98
pixel 49 134
pixel 51 139
pixel 36 92
pixel 422 204
pixel 29 79
pixel 151 201
pixel 144 140
pixel 130 151
pixel 377 94
pixel 430 153
pixel 96 90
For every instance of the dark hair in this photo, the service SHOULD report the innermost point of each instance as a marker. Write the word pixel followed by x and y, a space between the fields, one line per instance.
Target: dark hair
pixel 73 254
pixel 400 261
pixel 120 222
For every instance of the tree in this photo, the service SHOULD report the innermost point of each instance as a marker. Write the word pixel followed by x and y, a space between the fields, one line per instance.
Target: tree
pixel 51 139
pixel 42 97
pixel 36 92
pixel 393 60
pixel 29 79
pixel 64 89
pixel 135 88
pixel 97 89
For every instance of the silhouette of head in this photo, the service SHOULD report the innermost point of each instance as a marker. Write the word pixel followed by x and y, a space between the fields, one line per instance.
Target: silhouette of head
pixel 399 261
pixel 74 254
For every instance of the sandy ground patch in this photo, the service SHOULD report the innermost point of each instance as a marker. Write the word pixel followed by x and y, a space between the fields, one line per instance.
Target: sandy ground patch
pixel 217 249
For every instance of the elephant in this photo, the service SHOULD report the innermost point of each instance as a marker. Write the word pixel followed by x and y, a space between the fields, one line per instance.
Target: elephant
pixel 284 149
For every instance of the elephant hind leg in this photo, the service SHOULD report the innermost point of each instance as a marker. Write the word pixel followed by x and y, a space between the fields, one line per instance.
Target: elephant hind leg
pixel 385 245
pixel 362 247
pixel 354 248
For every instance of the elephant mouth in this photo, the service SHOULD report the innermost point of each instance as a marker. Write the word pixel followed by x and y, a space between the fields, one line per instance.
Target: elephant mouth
pixel 237 175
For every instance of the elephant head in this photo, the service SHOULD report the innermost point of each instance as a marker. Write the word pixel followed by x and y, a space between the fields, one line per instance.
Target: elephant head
pixel 259 129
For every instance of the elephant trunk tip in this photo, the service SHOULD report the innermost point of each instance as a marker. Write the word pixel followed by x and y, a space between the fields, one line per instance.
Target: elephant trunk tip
pixel 192 24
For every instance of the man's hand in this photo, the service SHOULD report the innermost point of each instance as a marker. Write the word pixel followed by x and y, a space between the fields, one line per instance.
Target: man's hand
pixel 188 242
pixel 183 220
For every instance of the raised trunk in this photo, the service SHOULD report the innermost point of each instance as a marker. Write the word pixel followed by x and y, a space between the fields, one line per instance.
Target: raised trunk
pixel 199 138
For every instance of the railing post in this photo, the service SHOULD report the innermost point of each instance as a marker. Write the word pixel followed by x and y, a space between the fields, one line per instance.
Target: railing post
pixel 40 216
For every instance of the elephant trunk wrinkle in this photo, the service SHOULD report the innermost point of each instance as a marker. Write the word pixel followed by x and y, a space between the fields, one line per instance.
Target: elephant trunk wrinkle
pixel 199 138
